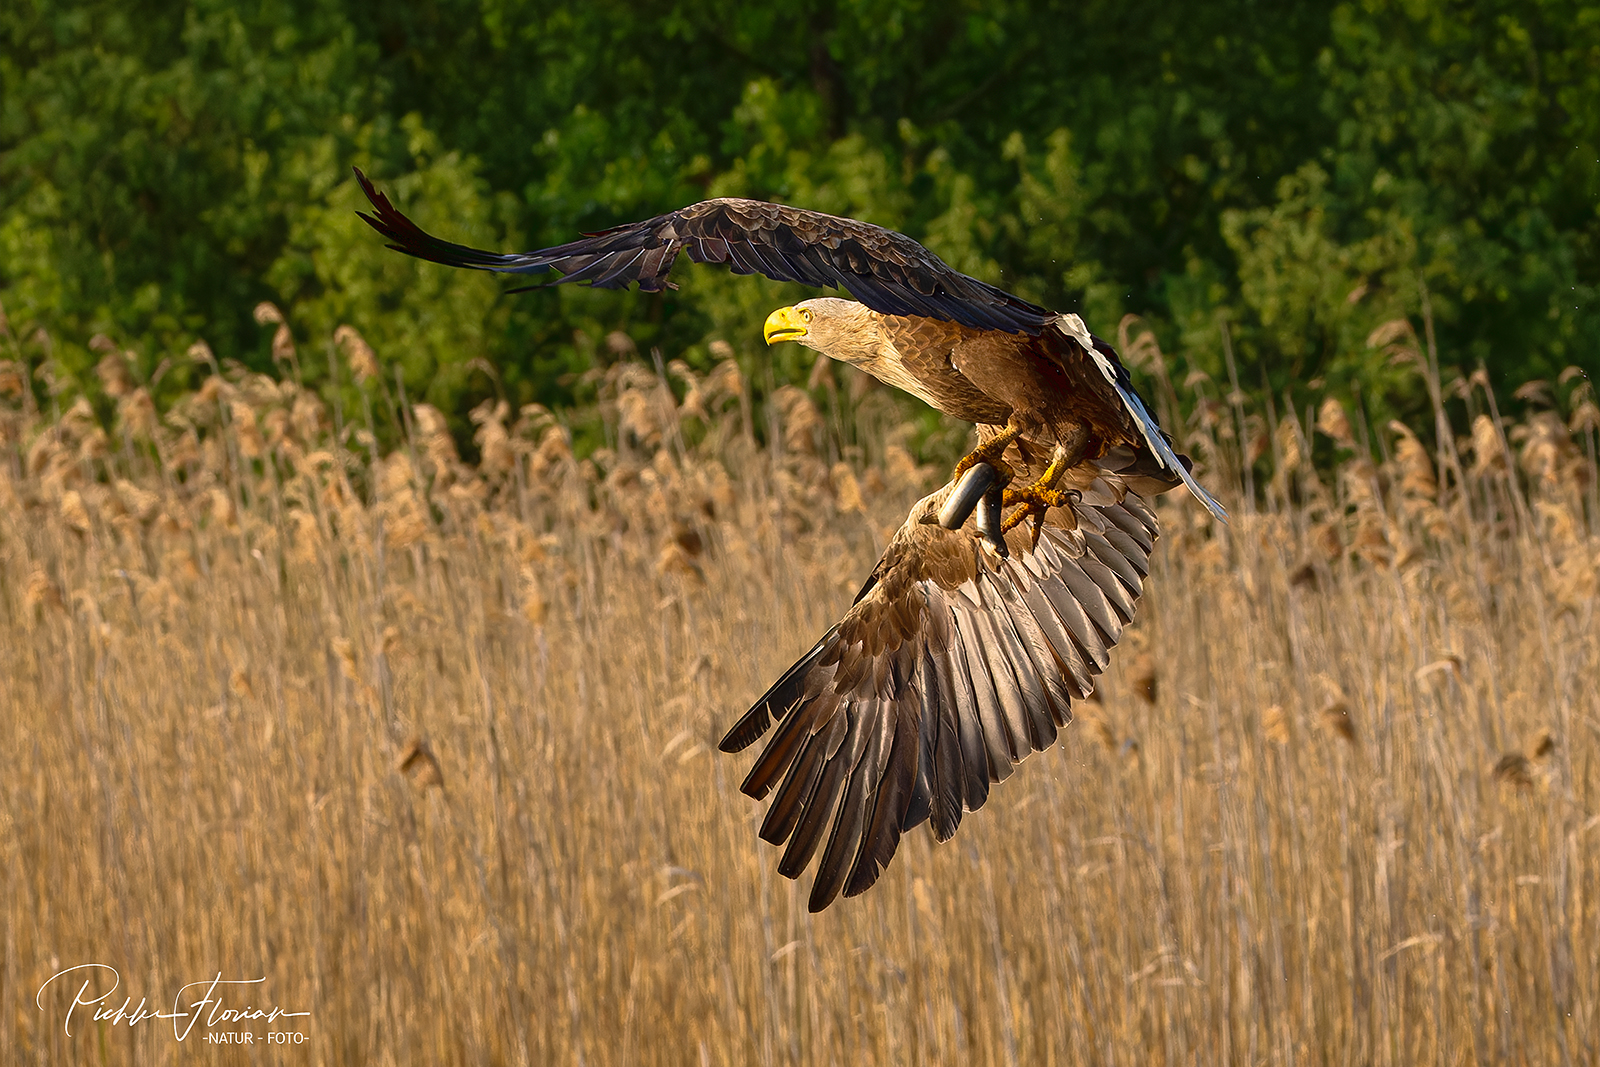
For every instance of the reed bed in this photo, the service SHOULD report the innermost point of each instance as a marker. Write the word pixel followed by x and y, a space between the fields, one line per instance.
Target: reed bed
pixel 430 745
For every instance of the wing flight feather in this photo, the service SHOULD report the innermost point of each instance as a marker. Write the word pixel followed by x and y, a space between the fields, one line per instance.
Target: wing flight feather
pixel 887 271
pixel 952 666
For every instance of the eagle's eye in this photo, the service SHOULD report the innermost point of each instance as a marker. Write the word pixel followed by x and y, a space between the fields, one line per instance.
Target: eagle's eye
pixel 805 314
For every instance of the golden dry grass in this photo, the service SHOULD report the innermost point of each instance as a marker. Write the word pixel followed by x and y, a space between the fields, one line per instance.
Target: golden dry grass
pixel 431 747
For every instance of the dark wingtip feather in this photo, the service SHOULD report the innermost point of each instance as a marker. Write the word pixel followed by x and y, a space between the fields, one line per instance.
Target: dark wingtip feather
pixel 895 789
pixel 783 695
pixel 744 733
pixel 807 833
pixel 850 822
pixel 798 787
pixel 406 236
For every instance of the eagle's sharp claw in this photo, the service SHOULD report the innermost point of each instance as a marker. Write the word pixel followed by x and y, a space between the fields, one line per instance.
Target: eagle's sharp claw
pixel 1032 501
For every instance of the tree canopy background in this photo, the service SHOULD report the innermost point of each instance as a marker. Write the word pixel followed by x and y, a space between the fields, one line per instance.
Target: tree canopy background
pixel 1281 180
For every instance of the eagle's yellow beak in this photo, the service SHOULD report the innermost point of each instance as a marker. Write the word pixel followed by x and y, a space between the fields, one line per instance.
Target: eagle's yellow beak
pixel 787 324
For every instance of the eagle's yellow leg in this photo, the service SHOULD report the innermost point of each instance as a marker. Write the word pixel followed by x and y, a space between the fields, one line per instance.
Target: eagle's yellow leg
pixel 990 452
pixel 1042 495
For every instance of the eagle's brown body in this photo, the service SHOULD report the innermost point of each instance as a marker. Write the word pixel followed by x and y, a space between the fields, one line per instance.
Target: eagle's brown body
pixel 963 653
pixel 923 357
pixel 989 378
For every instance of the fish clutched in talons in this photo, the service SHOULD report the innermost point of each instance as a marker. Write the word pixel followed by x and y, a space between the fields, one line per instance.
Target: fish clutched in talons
pixel 989 522
pixel 980 489
pixel 975 482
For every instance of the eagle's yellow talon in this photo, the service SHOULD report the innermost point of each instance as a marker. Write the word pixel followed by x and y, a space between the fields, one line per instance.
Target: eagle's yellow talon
pixel 1032 502
pixel 990 452
pixel 1037 496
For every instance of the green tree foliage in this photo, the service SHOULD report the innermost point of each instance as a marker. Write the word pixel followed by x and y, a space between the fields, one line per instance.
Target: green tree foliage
pixel 1295 175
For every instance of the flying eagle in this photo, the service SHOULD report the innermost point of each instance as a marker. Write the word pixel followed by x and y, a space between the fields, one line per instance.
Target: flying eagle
pixel 964 650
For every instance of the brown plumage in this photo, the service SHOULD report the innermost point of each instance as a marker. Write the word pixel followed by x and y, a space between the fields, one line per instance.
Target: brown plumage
pixel 1045 369
pixel 887 271
pixel 963 652
pixel 952 666
pixel 1062 393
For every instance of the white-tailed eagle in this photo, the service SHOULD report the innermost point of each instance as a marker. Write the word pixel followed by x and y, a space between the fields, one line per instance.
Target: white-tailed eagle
pixel 978 628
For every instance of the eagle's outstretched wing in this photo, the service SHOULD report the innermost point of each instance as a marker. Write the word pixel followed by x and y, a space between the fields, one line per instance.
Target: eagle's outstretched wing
pixel 885 270
pixel 951 667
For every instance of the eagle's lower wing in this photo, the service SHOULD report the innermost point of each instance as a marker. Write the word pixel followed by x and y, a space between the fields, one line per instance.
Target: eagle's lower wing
pixel 885 270
pixel 952 666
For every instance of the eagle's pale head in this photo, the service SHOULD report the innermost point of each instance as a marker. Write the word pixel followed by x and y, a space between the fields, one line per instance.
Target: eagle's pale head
pixel 842 329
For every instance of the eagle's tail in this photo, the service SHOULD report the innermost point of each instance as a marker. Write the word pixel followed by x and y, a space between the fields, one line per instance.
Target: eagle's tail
pixel 1157 441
